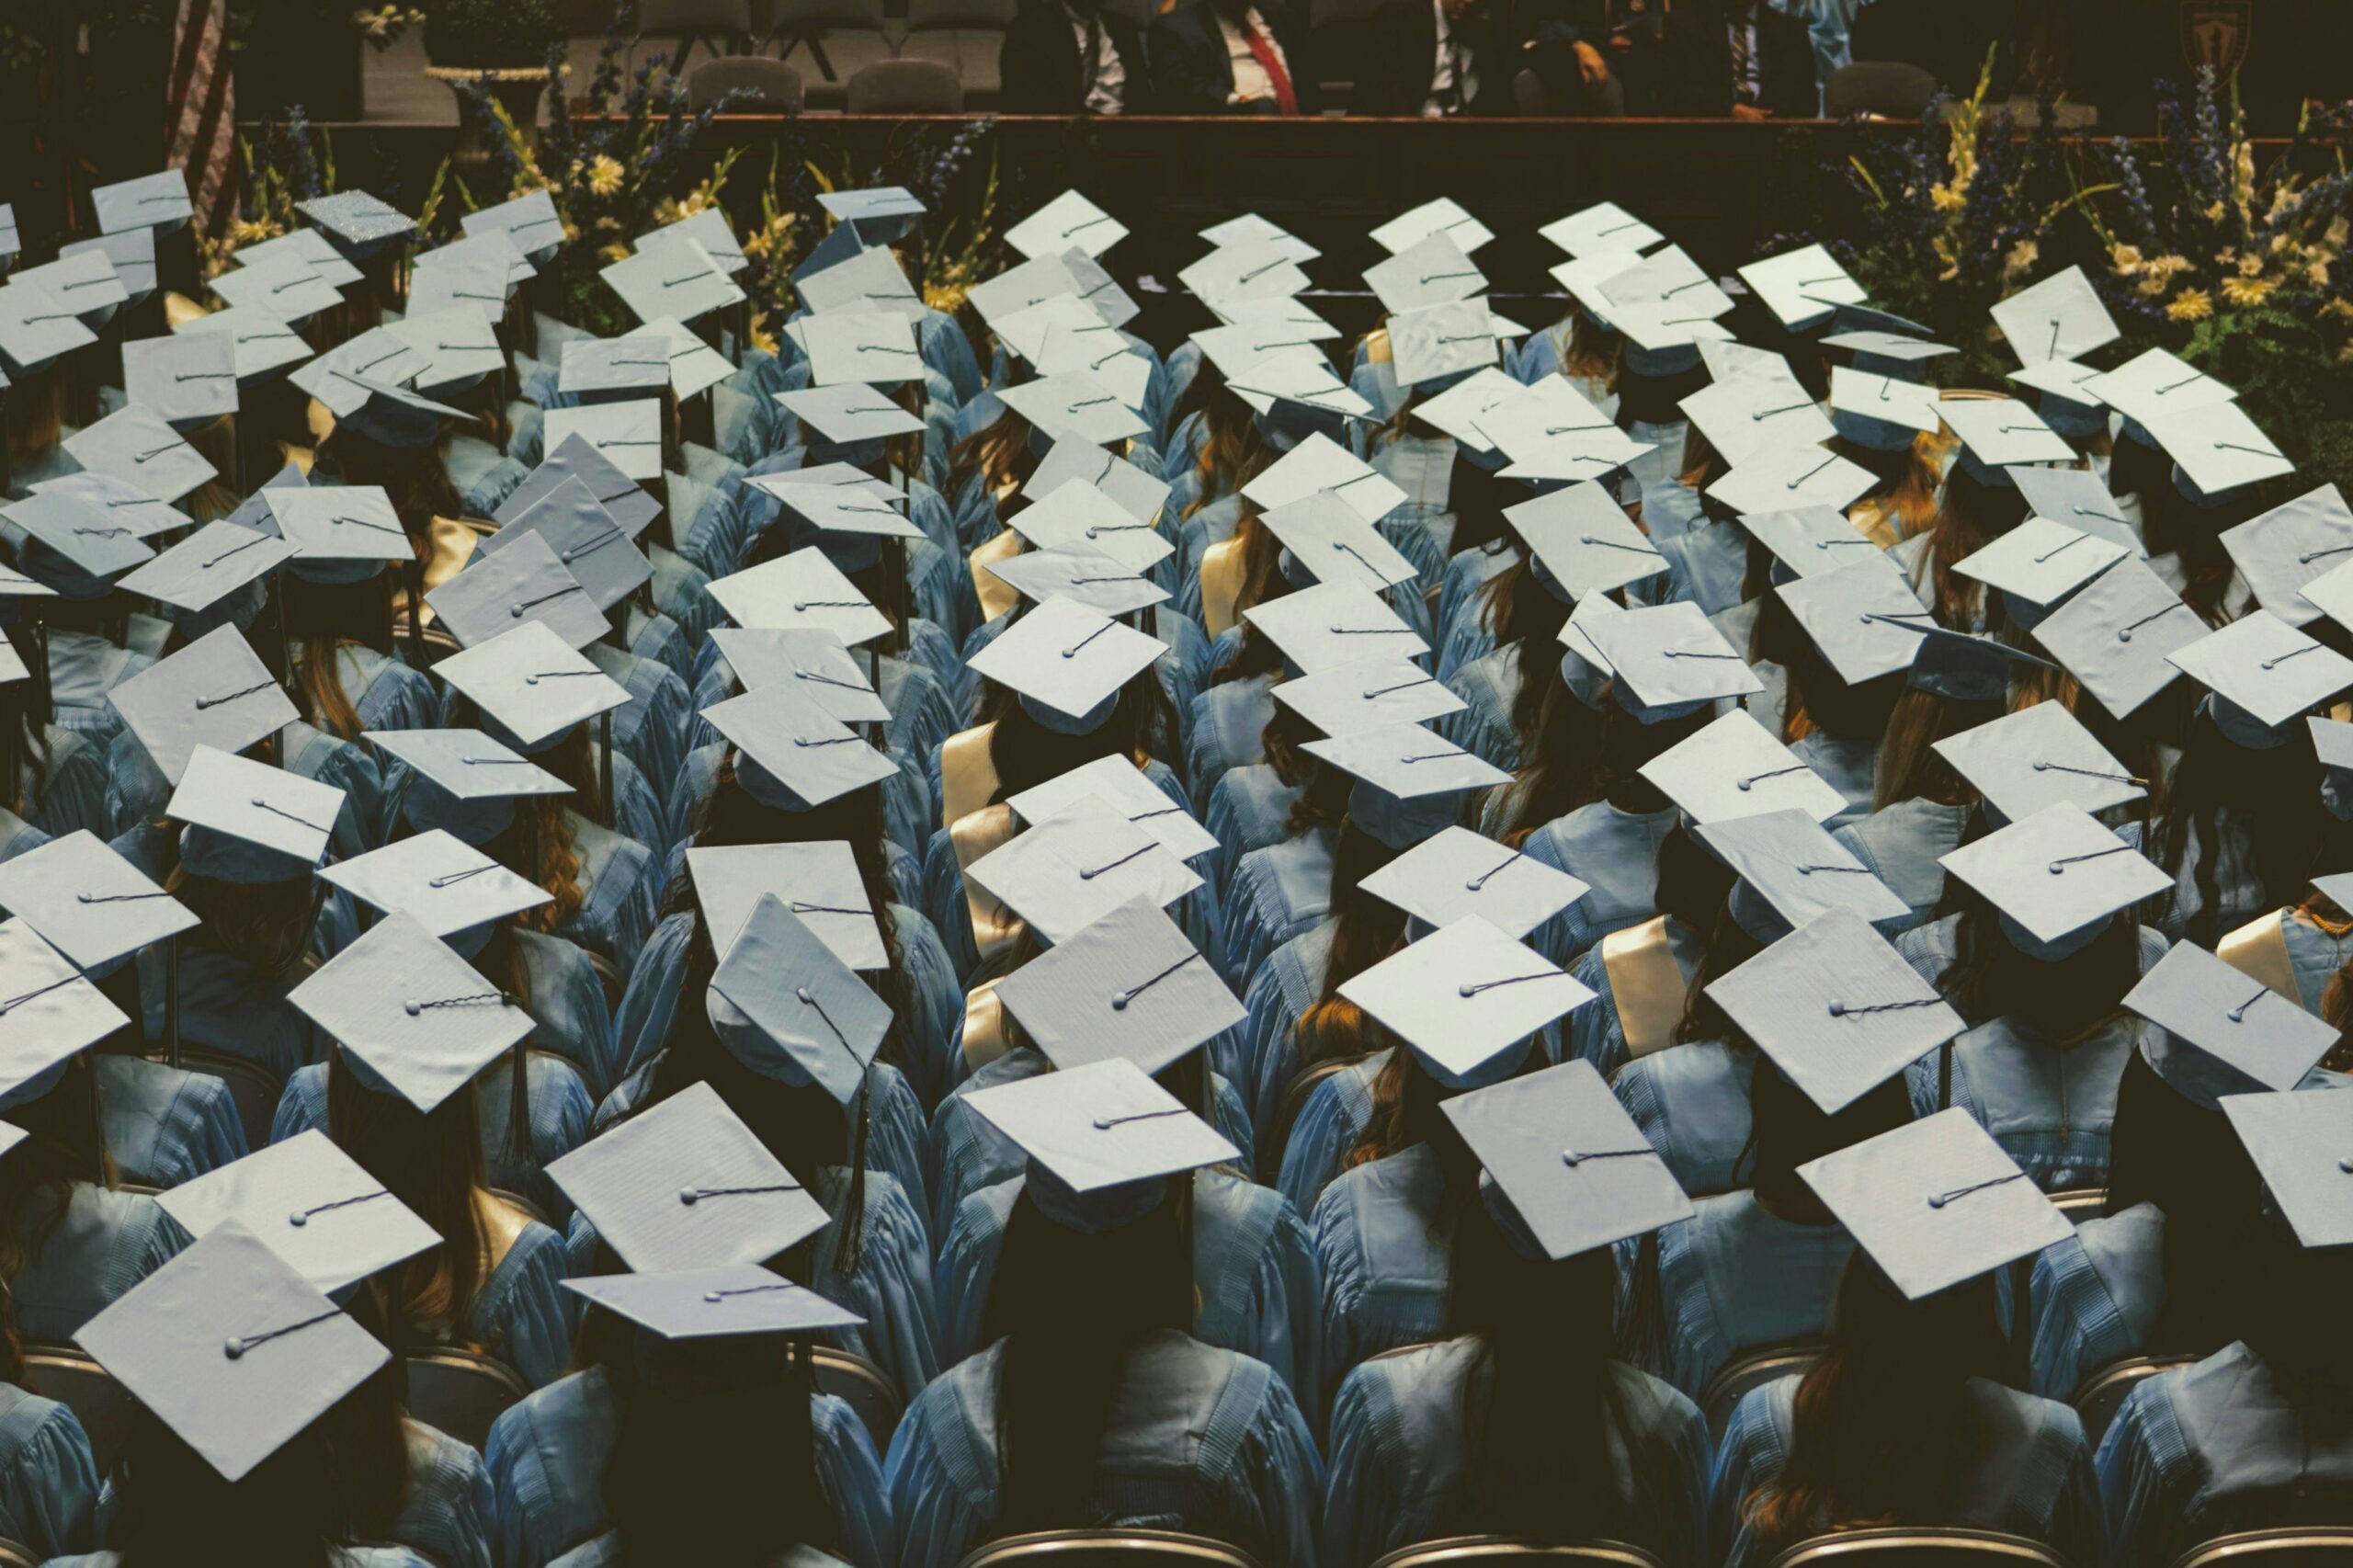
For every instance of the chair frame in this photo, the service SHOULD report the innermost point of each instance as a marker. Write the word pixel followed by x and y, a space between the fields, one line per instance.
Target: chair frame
pixel 2133 1370
pixel 1153 1548
pixel 1472 1550
pixel 1798 1355
pixel 38 1356
pixel 1873 1545
pixel 450 1357
pixel 824 1357
pixel 2256 1546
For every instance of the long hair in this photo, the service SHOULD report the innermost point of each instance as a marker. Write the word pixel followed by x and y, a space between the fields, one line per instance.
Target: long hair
pixel 365 1433
pixel 1909 767
pixel 884 583
pixel 176 1511
pixel 1142 725
pixel 2336 996
pixel 320 618
pixel 1593 353
pixel 37 1177
pixel 1882 1434
pixel 993 456
pixel 263 925
pixel 1064 1347
pixel 1405 1102
pixel 1522 615
pixel 1367 929
pixel 2247 815
pixel 538 843
pixel 2173 524
pixel 2167 1149
pixel 1694 890
pixel 1558 773
pixel 1233 451
pixel 432 1161
pixel 1971 515
pixel 1476 499
pixel 2064 1001
pixel 26 713
pixel 417 480
pixel 1905 483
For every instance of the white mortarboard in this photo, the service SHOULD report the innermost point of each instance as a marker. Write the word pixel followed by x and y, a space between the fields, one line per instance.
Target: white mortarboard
pixel 1584 541
pixel 1436 341
pixel 803 589
pixel 1334 624
pixel 2265 666
pixel 311 246
pixel 1251 226
pixel 679 281
pixel 1235 349
pixel 1782 478
pixel 2077 498
pixel 189 378
pixel 1457 872
pixel 2298 1142
pixel 1528 423
pixel 1463 996
pixel 142 203
pixel 1936 1202
pixel 1406 761
pixel 2219 446
pixel 1105 1124
pixel 2001 431
pixel 1073 405
pixel 1080 517
pixel 709 1303
pixel 1572 1162
pixel 1067 657
pixel 1589 452
pixel 2039 756
pixel 472 289
pixel 1247 269
pixel 36 326
pixel 1603 227
pixel 131 254
pixel 1070 221
pixel 2039 563
pixel 2231 1015
pixel 1294 316
pixel 1863 618
pixel 870 348
pixel 437 879
pixel 2064 381
pixel 695 366
pixel 1108 356
pixel 2288 547
pixel 359 224
pixel 468 764
pixel 308 1202
pixel 602 368
pixel 531 682
pixel 13 668
pixel 1751 413
pixel 1734 768
pixel 1668 656
pixel 1444 215
pixel 216 691
pixel 1434 271
pixel 819 885
pixel 248 821
pixel 347 376
pixel 1301 376
pixel 2059 318
pixel 89 902
pixel 616 492
pixel 1027 332
pixel 868 281
pixel 1803 286
pixel 1019 289
pixel 1325 534
pixel 1869 395
pixel 586 540
pixel 1666 284
pixel 524 581
pixel 12 243
pixel 1808 541
pixel 627 434
pixel 49 1013
pixel 85 283
pixel 708 228
pixel 117 502
pixel 2153 383
pixel 2117 635
pixel 687 1185
pixel 284 285
pixel 139 447
pixel 1790 863
pixel 232 1349
pixel 1138 494
pixel 417 1018
pixel 1374 693
pixel 1319 465
pixel 79 529
pixel 815 663
pixel 879 213
pixel 795 742
pixel 1130 985
pixel 845 415
pixel 1099 582
pixel 1068 870
pixel 786 1006
pixel 1116 782
pixel 531 221
pixel 339 522
pixel 2056 872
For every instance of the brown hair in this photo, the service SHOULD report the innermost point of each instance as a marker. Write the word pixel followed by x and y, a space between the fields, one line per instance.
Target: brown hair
pixel 432 1161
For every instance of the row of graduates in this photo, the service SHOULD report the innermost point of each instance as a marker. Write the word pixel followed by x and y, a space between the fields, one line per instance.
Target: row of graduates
pixel 1282 914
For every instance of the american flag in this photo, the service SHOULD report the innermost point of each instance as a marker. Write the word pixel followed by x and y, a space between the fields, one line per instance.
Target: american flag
pixel 202 107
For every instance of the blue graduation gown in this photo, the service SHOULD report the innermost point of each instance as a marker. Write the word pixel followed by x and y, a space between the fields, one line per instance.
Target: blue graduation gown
pixel 1616 853
pixel 482 474
pixel 1254 1272
pixel 384 692
pixel 229 1006
pixel 1249 808
pixel 1902 844
pixel 1199 1439
pixel 1384 1246
pixel 166 1126
pixel 1467 571
pixel 1223 732
pixel 547 1459
pixel 449 1516
pixel 1490 684
pixel 1331 1122
pixel 82 670
pixel 1401 1444
pixel 102 1244
pixel 650 729
pixel 1277 892
pixel 1691 1102
pixel 621 881
pixel 71 794
pixel 2050 1107
pixel 2095 1296
pixel 2031 1473
pixel 1732 1279
pixel 48 1485
pixel 1707 563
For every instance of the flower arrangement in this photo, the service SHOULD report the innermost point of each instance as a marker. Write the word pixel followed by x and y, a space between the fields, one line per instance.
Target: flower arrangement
pixel 2237 269
pixel 386 24
pixel 287 162
pixel 493 35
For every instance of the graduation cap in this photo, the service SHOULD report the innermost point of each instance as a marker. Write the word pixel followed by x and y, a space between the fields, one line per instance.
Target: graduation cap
pixel 2218 446
pixel 1734 768
pixel 1099 582
pixel 2057 876
pixel 1583 539
pixel 1803 286
pixel 47 1012
pixel 1116 782
pixel 524 580
pixel 1463 997
pixel 815 663
pixel 1030 331
pixel 687 1185
pixel 2078 499
pixel 803 589
pixel 2059 318
pixel 1069 222
pixel 1884 412
pixel 138 446
pixel 870 348
pixel 879 214
pixel 621 498
pixel 1246 270
pixel 216 692
pixel 438 880
pixel 855 279
pixel 1069 871
pixel 1791 871
pixel 413 1017
pixel 1372 694
pixel 706 227
pixel 189 379
pixel 155 200
pixel 786 1007
pixel 795 755
pixel 1325 536
pixel 2299 1142
pixel 2117 636
pixel 1457 872
pixel 1576 1171
pixel 472 289
pixel 124 505
pixel 359 224
pixel 36 326
pixel 393 417
pixel 1130 985
pixel 1669 661
pixel 1434 271
pixel 1079 516
pixel 463 783
pixel 737 1301
pixel 1752 413
pixel 848 415
pixel 2232 1016
pixel 2038 564
pixel 1334 624
pixel 1783 478
pixel 2282 552
pixel 1936 1203
pixel 88 901
pixel 1068 663
pixel 341 532
pixel 531 684
pixel 249 822
pixel 313 1205
pixel 531 222
pixel 283 285
pixel 1444 215
pixel 1863 618
pixel 629 434
pixel 1410 780
pixel 2265 667
pixel 1102 1137
pixel 86 281
pixel 230 1346
pixel 1604 227
pixel 818 884
pixel 2000 432
pixel 2068 403
pixel 131 254
pixel 95 544
pixel 344 377
pixel 585 540
pixel 1464 409
pixel 678 279
pixel 1251 226
pixel 2153 384
pixel 695 366
pixel 2038 756
pixel 1438 341
pixel 1808 541
pixel 458 345
pixel 1138 494
pixel 1073 405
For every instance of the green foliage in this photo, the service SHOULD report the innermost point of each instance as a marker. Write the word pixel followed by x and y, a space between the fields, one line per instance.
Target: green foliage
pixel 491 34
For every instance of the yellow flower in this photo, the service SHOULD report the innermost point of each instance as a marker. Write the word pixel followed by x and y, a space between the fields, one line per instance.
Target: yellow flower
pixel 603 176
pixel 2150 285
pixel 757 247
pixel 2214 211
pixel 2340 308
pixel 2337 233
pixel 1946 198
pixel 2023 254
pixel 2126 259
pixel 613 253
pixel 2249 266
pixel 666 212
pixel 2317 271
pixel 2247 290
pixel 2190 305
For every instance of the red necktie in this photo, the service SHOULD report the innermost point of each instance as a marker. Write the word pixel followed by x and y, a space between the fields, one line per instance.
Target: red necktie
pixel 1286 101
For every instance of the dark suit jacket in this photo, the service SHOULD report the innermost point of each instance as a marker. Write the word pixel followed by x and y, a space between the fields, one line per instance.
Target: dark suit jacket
pixel 1401 56
pixel 1190 73
pixel 1694 68
pixel 1038 64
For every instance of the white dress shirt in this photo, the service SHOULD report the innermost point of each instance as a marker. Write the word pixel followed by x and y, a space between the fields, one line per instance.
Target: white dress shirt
pixel 1454 77
pixel 1108 91
pixel 1251 82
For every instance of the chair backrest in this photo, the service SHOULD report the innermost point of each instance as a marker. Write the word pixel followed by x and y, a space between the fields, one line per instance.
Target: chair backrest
pixel 1753 1370
pixel 1895 88
pixel 867 1388
pixel 2104 1393
pixel 905 86
pixel 461 1392
pixel 103 1406
pixel 1107 1549
pixel 1273 1141
pixel 2303 1546
pixel 802 17
pixel 254 1089
pixel 765 85
pixel 1920 1547
pixel 528 1208
pixel 671 17
pixel 976 16
pixel 2080 1203
pixel 14 1556
pixel 1503 1551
